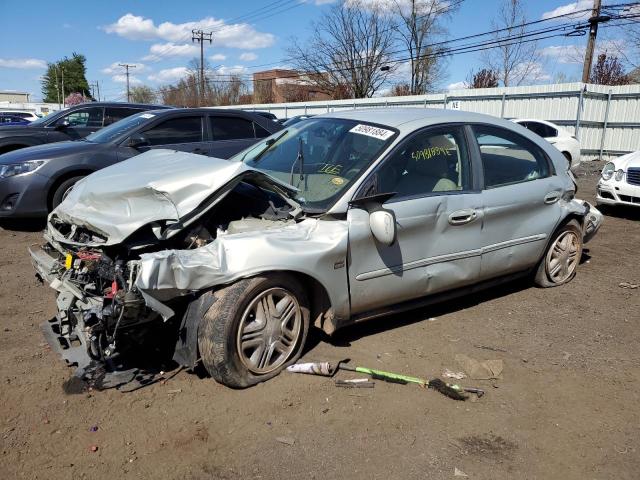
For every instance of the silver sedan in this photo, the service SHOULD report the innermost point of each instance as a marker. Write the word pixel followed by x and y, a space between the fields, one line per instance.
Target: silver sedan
pixel 339 218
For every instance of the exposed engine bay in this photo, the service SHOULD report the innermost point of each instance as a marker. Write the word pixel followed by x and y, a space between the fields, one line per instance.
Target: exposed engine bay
pixel 101 311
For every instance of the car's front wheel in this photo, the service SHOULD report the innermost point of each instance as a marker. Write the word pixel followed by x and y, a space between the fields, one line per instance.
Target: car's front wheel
pixel 253 329
pixel 560 261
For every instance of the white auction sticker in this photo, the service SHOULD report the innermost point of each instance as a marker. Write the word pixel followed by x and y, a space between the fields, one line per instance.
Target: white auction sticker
pixel 375 132
pixel 147 115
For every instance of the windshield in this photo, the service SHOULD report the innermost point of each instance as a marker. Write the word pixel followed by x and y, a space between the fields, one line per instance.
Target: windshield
pixel 46 118
pixel 321 157
pixel 119 128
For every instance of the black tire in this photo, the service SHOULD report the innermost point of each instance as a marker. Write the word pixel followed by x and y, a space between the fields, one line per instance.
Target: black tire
pixel 544 276
pixel 218 339
pixel 62 190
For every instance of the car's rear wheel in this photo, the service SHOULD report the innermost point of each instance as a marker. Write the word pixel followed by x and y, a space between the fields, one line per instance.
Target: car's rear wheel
pixel 253 329
pixel 560 261
pixel 63 190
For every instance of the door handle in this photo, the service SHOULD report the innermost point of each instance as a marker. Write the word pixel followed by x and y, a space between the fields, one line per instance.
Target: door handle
pixel 461 217
pixel 552 197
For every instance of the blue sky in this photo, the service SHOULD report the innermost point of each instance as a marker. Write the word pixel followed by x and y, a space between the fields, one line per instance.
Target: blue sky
pixel 155 35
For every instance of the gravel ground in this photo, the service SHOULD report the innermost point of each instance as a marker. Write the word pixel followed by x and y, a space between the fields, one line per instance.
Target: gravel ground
pixel 567 405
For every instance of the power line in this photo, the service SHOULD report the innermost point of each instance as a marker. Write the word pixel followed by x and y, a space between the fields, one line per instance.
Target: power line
pixel 201 37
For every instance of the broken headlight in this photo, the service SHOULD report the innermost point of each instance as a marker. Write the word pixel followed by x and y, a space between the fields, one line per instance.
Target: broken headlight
pixel 608 170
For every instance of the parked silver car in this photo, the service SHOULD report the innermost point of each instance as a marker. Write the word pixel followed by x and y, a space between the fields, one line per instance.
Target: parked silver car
pixel 336 219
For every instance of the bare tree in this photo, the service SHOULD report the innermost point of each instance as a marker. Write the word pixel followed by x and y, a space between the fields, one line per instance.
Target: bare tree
pixel 514 59
pixel 484 78
pixel 420 25
pixel 608 71
pixel 400 90
pixel 143 94
pixel 348 47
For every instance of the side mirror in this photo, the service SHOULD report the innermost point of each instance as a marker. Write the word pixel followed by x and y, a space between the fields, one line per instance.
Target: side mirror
pixel 383 226
pixel 62 124
pixel 138 140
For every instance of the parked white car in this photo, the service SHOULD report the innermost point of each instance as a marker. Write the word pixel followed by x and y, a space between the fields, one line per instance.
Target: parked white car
pixel 620 181
pixel 30 116
pixel 556 136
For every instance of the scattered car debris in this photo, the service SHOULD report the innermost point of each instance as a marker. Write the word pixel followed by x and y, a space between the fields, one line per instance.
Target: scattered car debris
pixel 485 370
pixel 493 349
pixel 93 448
pixel 94 428
pixel 451 374
pixel 629 285
pixel 286 440
pixel 459 473
pixel 317 368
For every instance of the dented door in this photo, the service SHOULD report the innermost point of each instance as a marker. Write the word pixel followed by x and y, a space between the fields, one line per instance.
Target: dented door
pixel 438 218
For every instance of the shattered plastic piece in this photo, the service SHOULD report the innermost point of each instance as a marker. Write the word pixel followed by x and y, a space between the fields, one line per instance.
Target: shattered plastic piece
pixel 286 440
pixel 486 370
pixel 450 374
pixel 628 285
pixel 93 448
pixel 317 368
pixel 459 473
pixel 94 428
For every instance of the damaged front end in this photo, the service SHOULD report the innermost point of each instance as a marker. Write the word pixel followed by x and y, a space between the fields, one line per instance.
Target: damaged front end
pixel 93 265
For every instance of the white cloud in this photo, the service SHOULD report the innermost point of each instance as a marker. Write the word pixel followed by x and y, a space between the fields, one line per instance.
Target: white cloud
pixel 122 78
pixel 575 53
pixel 421 6
pixel 22 63
pixel 238 35
pixel 218 57
pixel 115 68
pixel 457 85
pixel 169 74
pixel 567 9
pixel 248 57
pixel 232 70
pixel 531 72
pixel 160 50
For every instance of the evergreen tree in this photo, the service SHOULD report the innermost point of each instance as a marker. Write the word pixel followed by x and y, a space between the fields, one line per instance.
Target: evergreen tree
pixel 75 80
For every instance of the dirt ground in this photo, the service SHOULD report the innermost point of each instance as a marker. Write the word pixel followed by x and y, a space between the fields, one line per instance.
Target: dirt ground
pixel 567 406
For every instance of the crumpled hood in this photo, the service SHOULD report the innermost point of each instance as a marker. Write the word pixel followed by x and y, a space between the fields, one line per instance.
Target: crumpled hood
pixel 629 160
pixel 156 186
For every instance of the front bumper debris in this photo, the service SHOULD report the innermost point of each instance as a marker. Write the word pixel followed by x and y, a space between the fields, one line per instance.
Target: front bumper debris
pixel 592 222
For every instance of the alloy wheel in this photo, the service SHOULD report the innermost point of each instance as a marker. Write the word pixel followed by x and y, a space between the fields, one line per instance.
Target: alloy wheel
pixel 269 330
pixel 563 257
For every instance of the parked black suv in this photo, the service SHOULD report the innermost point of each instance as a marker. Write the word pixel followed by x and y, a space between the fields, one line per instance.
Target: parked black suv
pixel 35 180
pixel 72 123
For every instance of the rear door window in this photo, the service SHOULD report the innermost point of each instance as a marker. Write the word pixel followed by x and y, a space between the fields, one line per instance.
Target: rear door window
pixel 545 131
pixel 113 114
pixel 509 158
pixel 176 130
pixel 231 128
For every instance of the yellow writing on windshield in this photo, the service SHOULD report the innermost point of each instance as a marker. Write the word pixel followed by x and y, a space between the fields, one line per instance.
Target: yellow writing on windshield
pixel 330 169
pixel 429 152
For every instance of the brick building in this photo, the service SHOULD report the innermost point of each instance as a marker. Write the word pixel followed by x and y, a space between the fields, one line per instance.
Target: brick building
pixel 280 85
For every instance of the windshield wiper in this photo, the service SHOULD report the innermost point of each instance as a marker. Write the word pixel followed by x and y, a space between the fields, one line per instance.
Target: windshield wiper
pixel 269 144
pixel 300 161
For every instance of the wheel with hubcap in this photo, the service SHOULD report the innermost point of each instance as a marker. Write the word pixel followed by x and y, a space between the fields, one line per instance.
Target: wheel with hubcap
pixel 561 260
pixel 253 329
pixel 63 190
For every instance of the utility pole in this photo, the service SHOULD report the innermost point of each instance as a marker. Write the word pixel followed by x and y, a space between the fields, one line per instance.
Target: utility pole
pixel 593 32
pixel 127 66
pixel 57 86
pixel 201 36
pixel 63 98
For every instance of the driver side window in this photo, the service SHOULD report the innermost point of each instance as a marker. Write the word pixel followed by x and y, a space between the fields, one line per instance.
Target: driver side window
pixel 86 117
pixel 431 161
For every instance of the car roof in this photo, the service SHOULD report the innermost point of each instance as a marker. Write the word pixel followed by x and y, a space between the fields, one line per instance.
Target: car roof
pixel 394 117
pixel 122 104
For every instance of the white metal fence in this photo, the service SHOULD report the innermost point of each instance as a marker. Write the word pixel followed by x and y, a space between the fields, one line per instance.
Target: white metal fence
pixel 605 119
